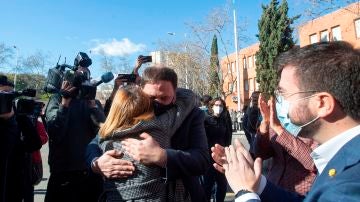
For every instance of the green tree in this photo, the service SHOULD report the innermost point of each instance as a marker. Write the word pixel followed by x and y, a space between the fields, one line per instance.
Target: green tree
pixel 275 36
pixel 215 82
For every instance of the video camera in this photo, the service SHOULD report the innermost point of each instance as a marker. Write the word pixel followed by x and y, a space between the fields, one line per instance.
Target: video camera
pixel 7 99
pixel 78 79
pixel 29 107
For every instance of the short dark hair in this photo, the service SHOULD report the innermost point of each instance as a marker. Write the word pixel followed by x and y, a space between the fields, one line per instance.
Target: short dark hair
pixel 206 99
pixel 155 74
pixel 332 67
pixel 5 82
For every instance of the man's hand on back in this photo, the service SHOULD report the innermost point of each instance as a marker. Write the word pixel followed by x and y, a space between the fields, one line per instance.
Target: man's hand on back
pixel 145 150
pixel 110 166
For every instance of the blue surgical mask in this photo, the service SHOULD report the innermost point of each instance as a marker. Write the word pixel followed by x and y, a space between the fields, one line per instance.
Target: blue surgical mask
pixel 204 108
pixel 282 112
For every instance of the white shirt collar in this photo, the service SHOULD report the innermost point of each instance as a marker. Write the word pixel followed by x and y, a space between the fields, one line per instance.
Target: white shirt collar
pixel 326 151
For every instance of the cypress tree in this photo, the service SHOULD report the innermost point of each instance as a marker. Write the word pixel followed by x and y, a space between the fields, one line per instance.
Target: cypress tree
pixel 275 36
pixel 215 84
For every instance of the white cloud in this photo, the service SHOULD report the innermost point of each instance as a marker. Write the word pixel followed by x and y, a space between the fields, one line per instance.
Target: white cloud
pixel 116 48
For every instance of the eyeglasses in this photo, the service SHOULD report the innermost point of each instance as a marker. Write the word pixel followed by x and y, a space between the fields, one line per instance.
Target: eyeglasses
pixel 279 94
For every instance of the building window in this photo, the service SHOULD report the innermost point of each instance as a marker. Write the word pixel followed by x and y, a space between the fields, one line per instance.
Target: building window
pixel 250 61
pixel 254 60
pixel 228 67
pixel 256 84
pixel 324 36
pixel 233 67
pixel 357 28
pixel 244 63
pixel 313 38
pixel 246 85
pixel 251 85
pixel 336 33
pixel 230 87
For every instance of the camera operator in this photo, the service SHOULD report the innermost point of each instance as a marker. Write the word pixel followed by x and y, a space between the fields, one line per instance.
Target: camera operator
pixel 18 138
pixel 72 122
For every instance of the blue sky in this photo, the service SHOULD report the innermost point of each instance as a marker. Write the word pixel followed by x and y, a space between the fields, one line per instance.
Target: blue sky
pixel 115 27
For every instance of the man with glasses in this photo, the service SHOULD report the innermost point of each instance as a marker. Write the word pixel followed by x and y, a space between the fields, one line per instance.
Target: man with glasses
pixel 319 85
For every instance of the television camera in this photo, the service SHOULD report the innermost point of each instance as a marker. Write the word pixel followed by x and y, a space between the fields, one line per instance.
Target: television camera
pixel 78 79
pixel 23 106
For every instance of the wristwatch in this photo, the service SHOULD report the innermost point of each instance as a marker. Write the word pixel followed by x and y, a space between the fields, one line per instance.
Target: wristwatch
pixel 242 192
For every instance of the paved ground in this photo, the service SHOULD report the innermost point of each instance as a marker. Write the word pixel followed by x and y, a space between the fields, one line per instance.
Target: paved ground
pixel 40 189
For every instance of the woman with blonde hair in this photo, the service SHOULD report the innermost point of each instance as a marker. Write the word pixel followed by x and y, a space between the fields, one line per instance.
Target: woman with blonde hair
pixel 131 114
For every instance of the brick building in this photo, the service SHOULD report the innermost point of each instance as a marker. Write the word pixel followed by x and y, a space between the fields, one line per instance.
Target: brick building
pixel 342 24
pixel 247 67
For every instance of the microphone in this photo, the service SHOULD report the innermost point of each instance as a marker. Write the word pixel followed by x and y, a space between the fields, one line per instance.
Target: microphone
pixel 105 78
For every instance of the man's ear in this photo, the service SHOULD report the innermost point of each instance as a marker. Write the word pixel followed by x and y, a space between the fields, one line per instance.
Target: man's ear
pixel 326 104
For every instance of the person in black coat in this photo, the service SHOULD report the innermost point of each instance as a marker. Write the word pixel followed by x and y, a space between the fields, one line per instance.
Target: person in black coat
pixel 252 119
pixel 18 139
pixel 218 130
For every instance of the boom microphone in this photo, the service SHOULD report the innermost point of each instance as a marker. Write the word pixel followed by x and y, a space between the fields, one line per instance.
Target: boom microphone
pixel 105 78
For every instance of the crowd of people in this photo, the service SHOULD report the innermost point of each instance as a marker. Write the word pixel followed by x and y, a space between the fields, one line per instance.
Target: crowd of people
pixel 153 141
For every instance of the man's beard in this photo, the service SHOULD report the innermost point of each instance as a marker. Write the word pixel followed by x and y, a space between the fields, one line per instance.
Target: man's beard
pixel 310 130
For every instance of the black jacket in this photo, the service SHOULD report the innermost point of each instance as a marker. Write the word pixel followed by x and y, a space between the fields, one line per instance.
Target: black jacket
pixel 70 129
pixel 218 129
pixel 18 137
pixel 188 157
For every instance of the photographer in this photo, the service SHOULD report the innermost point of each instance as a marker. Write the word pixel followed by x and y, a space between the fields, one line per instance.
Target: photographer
pixel 72 122
pixel 18 138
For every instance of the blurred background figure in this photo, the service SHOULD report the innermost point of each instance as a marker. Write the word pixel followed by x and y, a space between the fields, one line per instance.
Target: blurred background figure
pixel 252 119
pixel 240 116
pixel 205 103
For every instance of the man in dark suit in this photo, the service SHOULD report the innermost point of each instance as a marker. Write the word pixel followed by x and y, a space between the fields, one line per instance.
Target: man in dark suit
pixel 319 88
pixel 188 156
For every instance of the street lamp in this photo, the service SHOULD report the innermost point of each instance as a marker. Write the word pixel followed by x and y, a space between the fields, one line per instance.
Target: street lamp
pixel 237 60
pixel 186 62
pixel 17 65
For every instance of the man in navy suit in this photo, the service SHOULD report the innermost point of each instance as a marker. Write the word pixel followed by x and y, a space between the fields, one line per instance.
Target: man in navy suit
pixel 319 88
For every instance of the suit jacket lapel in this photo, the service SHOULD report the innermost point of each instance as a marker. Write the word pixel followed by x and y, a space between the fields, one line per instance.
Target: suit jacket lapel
pixel 347 156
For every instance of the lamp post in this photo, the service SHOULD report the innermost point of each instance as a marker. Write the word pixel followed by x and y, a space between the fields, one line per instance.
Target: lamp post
pixel 237 61
pixel 186 61
pixel 17 65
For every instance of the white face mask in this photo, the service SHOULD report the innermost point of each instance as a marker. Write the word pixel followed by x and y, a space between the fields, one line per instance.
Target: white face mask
pixel 217 110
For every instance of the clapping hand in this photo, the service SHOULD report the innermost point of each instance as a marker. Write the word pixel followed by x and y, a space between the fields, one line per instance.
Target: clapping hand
pixel 240 170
